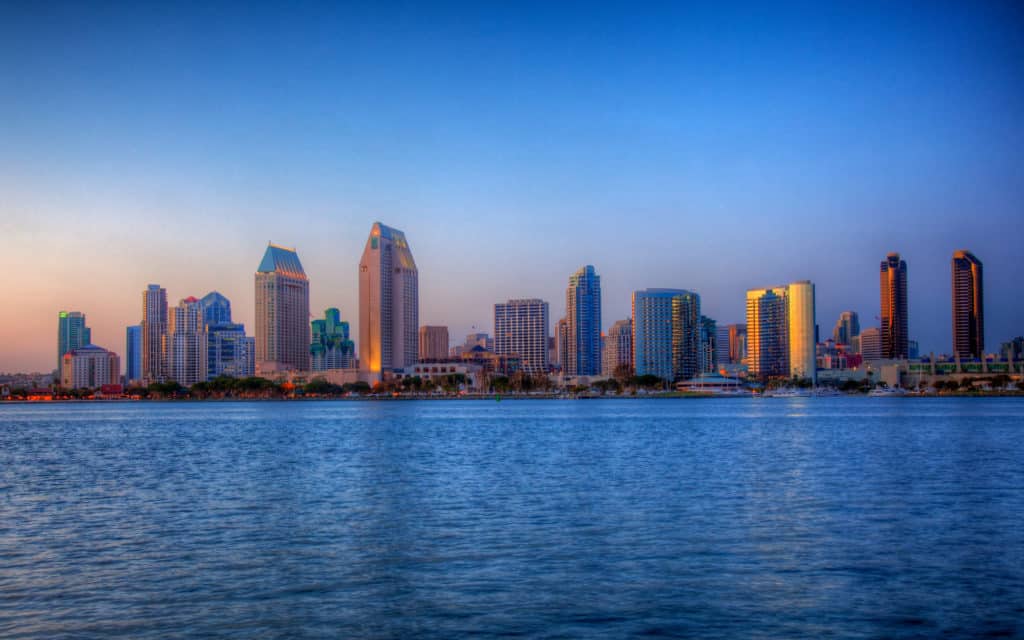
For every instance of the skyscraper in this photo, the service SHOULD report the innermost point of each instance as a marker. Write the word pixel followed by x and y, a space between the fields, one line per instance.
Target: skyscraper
pixel 666 333
pixel 803 339
pixel 89 367
pixel 583 317
pixel 737 343
pixel 186 342
pixel 968 306
pixel 871 344
pixel 229 352
pixel 561 344
pixel 154 334
pixel 708 345
pixel 216 308
pixel 893 289
pixel 388 302
pixel 521 329
pixel 618 347
pixel 332 348
pixel 847 328
pixel 282 312
pixel 71 334
pixel 133 354
pixel 433 343
pixel 767 333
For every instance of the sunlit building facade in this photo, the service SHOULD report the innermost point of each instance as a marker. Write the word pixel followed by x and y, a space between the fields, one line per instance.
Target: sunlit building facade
pixel 767 333
pixel 282 312
pixel 583 319
pixel 521 329
pixel 968 306
pixel 803 339
pixel 388 302
pixel 666 333
pixel 618 348
pixel 89 367
pixel 433 343
pixel 895 323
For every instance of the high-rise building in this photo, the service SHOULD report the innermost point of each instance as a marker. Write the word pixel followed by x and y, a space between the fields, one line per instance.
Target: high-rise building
pixel 767 333
pixel 521 329
pixel 433 343
pixel 332 348
pixel 154 334
pixel 722 344
pixel 561 344
pixel 583 317
pixel 871 344
pixel 803 334
pixel 893 289
pixel 1013 349
pixel 282 312
pixel 229 352
pixel 666 333
pixel 847 328
pixel 71 334
pixel 216 308
pixel 388 302
pixel 186 343
pixel 133 354
pixel 89 367
pixel 618 347
pixel 708 345
pixel 737 343
pixel 968 306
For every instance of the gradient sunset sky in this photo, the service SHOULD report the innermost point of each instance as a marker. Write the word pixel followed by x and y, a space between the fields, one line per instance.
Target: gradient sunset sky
pixel 713 147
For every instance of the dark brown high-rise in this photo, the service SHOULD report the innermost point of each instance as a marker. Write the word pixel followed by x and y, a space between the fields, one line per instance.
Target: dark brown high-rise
pixel 968 307
pixel 893 286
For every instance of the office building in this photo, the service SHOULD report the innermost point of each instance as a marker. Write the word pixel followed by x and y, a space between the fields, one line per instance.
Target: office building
pixel 708 345
pixel 893 290
pixel 968 306
pixel 186 343
pixel 229 352
pixel 521 329
pixel 216 308
pixel 737 343
pixel 802 331
pixel 133 354
pixel 332 348
pixel 847 328
pixel 767 333
pixel 282 312
pixel 618 348
pixel 89 367
pixel 583 320
pixel 154 334
pixel 388 302
pixel 71 334
pixel 666 333
pixel 871 344
pixel 561 344
pixel 433 343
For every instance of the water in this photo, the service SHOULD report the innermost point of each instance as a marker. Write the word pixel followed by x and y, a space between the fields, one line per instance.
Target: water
pixel 772 518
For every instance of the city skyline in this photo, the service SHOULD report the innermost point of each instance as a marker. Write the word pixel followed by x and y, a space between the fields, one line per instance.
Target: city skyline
pixel 677 147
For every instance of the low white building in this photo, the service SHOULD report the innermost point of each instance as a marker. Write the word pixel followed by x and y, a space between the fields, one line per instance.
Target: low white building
pixel 89 367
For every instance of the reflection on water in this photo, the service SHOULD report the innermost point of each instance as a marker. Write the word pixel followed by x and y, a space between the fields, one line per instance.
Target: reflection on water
pixel 720 519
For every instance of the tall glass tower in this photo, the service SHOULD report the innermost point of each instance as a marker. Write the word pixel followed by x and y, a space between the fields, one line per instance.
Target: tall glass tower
pixel 666 333
pixel 968 306
pixel 71 334
pixel 583 315
pixel 893 290
pixel 154 334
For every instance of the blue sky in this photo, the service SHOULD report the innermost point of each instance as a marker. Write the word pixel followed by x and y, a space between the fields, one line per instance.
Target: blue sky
pixel 712 147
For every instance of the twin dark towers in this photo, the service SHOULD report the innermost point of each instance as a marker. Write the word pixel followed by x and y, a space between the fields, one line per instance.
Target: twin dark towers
pixel 967 305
